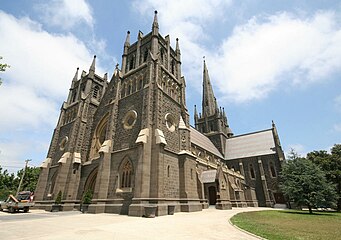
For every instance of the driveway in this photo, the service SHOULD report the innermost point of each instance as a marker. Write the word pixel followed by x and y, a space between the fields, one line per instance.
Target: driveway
pixel 37 224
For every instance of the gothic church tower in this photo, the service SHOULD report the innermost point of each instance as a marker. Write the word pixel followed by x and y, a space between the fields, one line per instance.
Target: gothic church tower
pixel 128 140
pixel 212 121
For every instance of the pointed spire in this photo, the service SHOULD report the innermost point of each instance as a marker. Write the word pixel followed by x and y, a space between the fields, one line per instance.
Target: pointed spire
pixel 195 114
pixel 75 78
pixel 93 65
pixel 139 35
pixel 127 42
pixel 177 48
pixel 155 22
pixel 209 103
pixel 92 68
pixel 155 26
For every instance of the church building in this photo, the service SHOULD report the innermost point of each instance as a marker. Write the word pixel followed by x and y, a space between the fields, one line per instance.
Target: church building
pixel 130 143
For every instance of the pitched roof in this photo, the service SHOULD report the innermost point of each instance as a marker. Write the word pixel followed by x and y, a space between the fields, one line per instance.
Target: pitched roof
pixel 204 142
pixel 252 144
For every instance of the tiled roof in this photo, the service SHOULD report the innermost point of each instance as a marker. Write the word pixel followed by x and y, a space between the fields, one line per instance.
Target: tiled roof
pixel 248 145
pixel 204 142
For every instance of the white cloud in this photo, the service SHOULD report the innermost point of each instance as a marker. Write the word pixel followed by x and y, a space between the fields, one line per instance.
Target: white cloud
pixel 257 56
pixel 66 14
pixel 42 67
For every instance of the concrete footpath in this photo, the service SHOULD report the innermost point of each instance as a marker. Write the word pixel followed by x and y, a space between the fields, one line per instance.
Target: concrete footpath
pixel 37 224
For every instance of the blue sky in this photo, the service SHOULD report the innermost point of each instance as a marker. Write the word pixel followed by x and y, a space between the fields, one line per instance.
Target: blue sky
pixel 268 60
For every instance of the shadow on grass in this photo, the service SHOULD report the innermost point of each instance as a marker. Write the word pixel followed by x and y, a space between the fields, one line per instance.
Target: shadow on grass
pixel 319 213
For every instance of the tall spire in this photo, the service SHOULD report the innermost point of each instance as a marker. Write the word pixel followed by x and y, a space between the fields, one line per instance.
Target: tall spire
pixel 127 42
pixel 92 67
pixel 75 78
pixel 177 48
pixel 196 117
pixel 209 103
pixel 155 25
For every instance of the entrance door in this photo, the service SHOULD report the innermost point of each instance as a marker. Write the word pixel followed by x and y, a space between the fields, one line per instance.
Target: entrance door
pixel 212 193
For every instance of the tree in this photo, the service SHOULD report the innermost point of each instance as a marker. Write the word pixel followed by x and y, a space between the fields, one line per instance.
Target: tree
pixel 3 67
pixel 7 184
pixel 331 165
pixel 30 178
pixel 305 183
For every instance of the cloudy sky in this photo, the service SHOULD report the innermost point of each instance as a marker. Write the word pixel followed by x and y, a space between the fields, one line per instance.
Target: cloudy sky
pixel 268 60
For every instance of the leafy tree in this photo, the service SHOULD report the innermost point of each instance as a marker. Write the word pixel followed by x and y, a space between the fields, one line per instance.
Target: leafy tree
pixel 3 67
pixel 305 183
pixel 9 182
pixel 331 165
pixel 30 178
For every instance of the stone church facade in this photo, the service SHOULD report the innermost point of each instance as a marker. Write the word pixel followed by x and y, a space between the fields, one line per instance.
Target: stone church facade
pixel 129 141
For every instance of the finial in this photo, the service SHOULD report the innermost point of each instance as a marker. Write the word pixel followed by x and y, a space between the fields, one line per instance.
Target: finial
pixel 155 22
pixel 93 64
pixel 127 42
pixel 177 48
pixel 75 78
pixel 116 67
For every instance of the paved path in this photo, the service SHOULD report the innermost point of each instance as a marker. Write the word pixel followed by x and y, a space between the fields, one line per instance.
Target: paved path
pixel 207 224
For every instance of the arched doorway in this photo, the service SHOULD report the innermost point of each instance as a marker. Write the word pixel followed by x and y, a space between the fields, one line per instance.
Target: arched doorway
pixel 212 195
pixel 91 181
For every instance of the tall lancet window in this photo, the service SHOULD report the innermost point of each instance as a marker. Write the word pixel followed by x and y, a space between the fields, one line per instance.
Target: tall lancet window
pixel 126 174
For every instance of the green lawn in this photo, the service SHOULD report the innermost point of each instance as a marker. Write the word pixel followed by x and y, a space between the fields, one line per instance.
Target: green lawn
pixel 290 224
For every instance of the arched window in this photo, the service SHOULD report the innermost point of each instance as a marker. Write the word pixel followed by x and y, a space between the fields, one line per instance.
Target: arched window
pixel 126 174
pixel 168 168
pixel 129 90
pixel 131 63
pixel 252 171
pixel 140 84
pixel 74 94
pixel 134 86
pixel 99 137
pixel 162 55
pixel 145 55
pixel 173 66
pixel 272 170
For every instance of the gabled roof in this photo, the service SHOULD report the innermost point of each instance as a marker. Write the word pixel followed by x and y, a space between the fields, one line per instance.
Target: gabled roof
pixel 249 145
pixel 204 142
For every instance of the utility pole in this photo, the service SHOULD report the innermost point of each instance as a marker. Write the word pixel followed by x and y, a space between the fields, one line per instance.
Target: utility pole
pixel 22 177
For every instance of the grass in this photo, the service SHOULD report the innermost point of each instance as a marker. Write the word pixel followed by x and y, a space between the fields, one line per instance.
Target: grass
pixel 290 224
